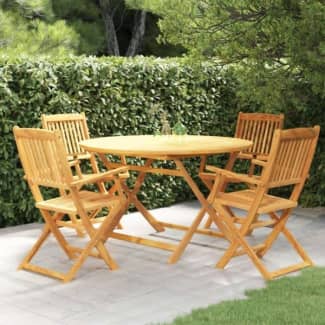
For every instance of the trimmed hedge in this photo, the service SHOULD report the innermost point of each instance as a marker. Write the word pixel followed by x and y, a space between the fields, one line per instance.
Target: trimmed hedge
pixel 119 96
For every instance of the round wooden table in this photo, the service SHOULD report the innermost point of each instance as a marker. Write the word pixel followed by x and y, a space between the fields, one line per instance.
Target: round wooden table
pixel 164 147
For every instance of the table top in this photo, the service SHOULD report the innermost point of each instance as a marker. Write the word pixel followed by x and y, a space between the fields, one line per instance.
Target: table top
pixel 164 145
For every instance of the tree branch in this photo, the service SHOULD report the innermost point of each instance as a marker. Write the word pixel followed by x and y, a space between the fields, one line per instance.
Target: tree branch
pixel 110 32
pixel 137 33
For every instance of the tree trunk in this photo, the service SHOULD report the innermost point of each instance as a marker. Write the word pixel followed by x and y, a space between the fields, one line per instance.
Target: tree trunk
pixel 138 31
pixel 110 32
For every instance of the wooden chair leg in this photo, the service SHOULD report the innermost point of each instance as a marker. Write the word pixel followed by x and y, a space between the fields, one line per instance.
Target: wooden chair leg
pixel 230 252
pixel 97 240
pixel 74 220
pixel 208 223
pixel 275 232
pixel 108 225
pixel 295 244
pixel 112 192
pixel 83 256
pixel 280 227
pixel 47 230
pixel 238 240
pixel 56 232
pixel 119 226
pixel 45 233
pixel 94 242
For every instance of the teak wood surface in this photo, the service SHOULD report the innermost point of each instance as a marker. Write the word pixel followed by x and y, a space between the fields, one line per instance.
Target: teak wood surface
pixel 73 129
pixel 43 157
pixel 289 162
pixel 258 128
pixel 162 146
pixel 152 148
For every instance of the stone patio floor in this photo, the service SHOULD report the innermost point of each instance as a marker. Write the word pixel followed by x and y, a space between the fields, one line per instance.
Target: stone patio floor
pixel 145 289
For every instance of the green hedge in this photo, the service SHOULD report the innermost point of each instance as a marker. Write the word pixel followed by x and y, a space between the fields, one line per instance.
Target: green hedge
pixel 119 96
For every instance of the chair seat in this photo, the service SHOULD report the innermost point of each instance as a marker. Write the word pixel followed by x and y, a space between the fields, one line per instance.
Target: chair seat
pixel 90 200
pixel 244 199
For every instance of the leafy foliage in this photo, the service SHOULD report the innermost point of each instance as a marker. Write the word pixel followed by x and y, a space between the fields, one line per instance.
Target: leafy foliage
pixel 117 96
pixel 275 42
pixel 122 96
pixel 28 28
pixel 87 17
pixel 65 27
pixel 274 48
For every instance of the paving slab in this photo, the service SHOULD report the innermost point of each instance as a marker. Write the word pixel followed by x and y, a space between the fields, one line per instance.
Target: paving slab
pixel 145 289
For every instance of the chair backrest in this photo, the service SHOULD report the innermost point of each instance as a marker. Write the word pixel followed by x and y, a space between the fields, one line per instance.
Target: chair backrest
pixel 43 157
pixel 290 158
pixel 73 128
pixel 259 128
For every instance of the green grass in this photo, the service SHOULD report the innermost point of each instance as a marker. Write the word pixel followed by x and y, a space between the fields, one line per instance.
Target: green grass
pixel 290 300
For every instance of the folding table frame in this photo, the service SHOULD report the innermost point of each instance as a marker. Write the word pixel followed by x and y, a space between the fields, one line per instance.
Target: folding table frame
pixel 180 171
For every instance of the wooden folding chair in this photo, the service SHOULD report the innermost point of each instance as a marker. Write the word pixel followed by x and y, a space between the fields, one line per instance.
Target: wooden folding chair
pixel 73 128
pixel 258 128
pixel 289 162
pixel 43 158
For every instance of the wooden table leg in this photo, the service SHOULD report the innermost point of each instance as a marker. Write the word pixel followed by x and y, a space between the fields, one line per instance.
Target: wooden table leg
pixel 205 208
pixel 132 194
pixel 159 226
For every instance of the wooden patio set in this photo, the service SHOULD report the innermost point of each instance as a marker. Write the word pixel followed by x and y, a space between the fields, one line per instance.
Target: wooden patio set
pixel 51 157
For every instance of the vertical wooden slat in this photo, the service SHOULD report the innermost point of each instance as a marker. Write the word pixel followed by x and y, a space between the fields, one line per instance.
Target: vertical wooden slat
pixel 292 157
pixel 301 159
pixel 271 130
pixel 27 161
pixel 279 161
pixel 267 138
pixel 245 129
pixel 259 134
pixel 73 128
pixel 247 132
pixel 67 135
pixel 263 137
pixel 290 154
pixel 75 137
pixel 42 162
pixel 71 137
pixel 283 172
pixel 32 158
pixel 79 134
pixel 259 128
pixel 297 155
pixel 40 159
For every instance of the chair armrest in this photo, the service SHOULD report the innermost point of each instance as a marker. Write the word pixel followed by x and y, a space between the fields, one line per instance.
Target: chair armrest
pixel 259 162
pixel 232 175
pixel 73 163
pixel 76 164
pixel 247 156
pixel 98 177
